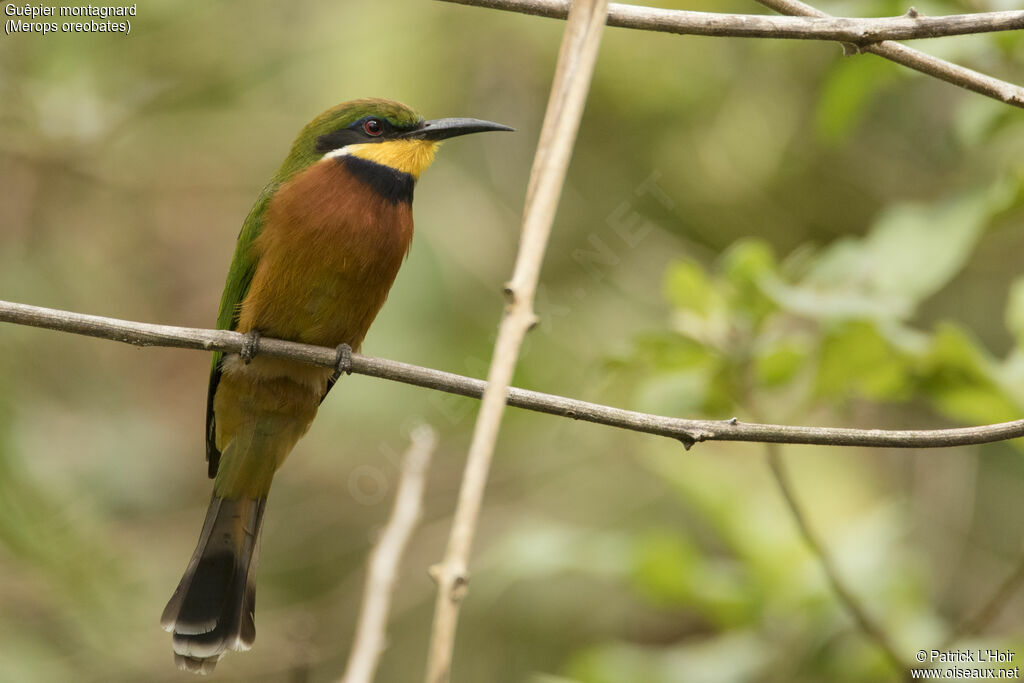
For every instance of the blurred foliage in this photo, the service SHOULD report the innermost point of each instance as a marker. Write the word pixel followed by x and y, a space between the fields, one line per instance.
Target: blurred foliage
pixel 754 228
pixel 813 333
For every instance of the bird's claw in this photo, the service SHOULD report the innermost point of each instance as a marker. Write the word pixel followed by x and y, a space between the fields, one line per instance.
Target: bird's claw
pixel 343 362
pixel 250 346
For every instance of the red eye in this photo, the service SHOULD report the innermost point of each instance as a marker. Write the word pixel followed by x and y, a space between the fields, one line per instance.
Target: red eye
pixel 373 127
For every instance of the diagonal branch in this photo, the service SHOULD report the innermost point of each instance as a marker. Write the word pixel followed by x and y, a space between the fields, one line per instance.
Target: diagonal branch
pixel 919 61
pixel 812 24
pixel 812 27
pixel 871 628
pixel 569 89
pixel 687 431
pixel 371 635
pixel 976 622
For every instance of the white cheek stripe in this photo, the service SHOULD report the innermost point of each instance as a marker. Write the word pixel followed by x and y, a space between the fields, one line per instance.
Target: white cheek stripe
pixel 340 152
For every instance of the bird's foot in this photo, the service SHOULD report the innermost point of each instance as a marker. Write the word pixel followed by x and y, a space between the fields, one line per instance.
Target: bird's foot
pixel 343 362
pixel 250 346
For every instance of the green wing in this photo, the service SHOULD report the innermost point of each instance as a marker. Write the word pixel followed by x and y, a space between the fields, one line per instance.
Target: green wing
pixel 243 265
pixel 303 154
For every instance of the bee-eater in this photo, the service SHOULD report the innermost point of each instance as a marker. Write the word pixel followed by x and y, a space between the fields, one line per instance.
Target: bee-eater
pixel 315 260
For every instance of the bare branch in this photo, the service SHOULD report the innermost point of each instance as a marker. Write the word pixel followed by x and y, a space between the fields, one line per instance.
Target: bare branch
pixel 371 636
pixel 851 602
pixel 856 35
pixel 919 61
pixel 569 89
pixel 979 620
pixel 688 432
pixel 818 27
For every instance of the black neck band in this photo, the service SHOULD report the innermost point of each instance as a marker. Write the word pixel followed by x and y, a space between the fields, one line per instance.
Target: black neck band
pixel 391 184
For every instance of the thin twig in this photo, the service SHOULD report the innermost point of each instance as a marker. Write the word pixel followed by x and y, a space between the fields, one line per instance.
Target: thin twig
pixel 849 30
pixel 851 602
pixel 976 622
pixel 371 636
pixel 919 61
pixel 856 35
pixel 569 89
pixel 688 432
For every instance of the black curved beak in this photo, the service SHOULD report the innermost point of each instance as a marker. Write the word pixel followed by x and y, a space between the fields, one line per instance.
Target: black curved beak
pixel 442 129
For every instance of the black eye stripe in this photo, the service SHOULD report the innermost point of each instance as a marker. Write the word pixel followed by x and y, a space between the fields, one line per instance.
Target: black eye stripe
pixel 355 133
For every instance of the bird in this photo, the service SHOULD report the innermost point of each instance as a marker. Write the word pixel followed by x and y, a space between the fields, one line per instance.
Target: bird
pixel 315 260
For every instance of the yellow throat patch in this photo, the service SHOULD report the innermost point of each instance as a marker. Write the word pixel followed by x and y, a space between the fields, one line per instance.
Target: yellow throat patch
pixel 407 156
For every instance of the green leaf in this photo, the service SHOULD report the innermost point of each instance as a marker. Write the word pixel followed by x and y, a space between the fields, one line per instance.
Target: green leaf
pixel 747 261
pixel 681 393
pixel 688 287
pixel 963 381
pixel 669 351
pixel 670 571
pixel 779 363
pixel 747 266
pixel 857 360
pixel 917 248
pixel 911 252
pixel 834 301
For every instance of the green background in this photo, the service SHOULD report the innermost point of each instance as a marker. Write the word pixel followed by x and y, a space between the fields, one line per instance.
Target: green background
pixel 756 228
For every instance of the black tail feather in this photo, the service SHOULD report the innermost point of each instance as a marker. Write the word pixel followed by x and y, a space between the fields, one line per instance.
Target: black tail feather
pixel 212 608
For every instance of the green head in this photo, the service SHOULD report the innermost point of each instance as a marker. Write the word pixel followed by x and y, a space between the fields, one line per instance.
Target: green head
pixel 379 130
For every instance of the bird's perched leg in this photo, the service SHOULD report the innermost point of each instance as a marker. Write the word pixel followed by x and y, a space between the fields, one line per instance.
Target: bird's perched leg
pixel 251 346
pixel 343 362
